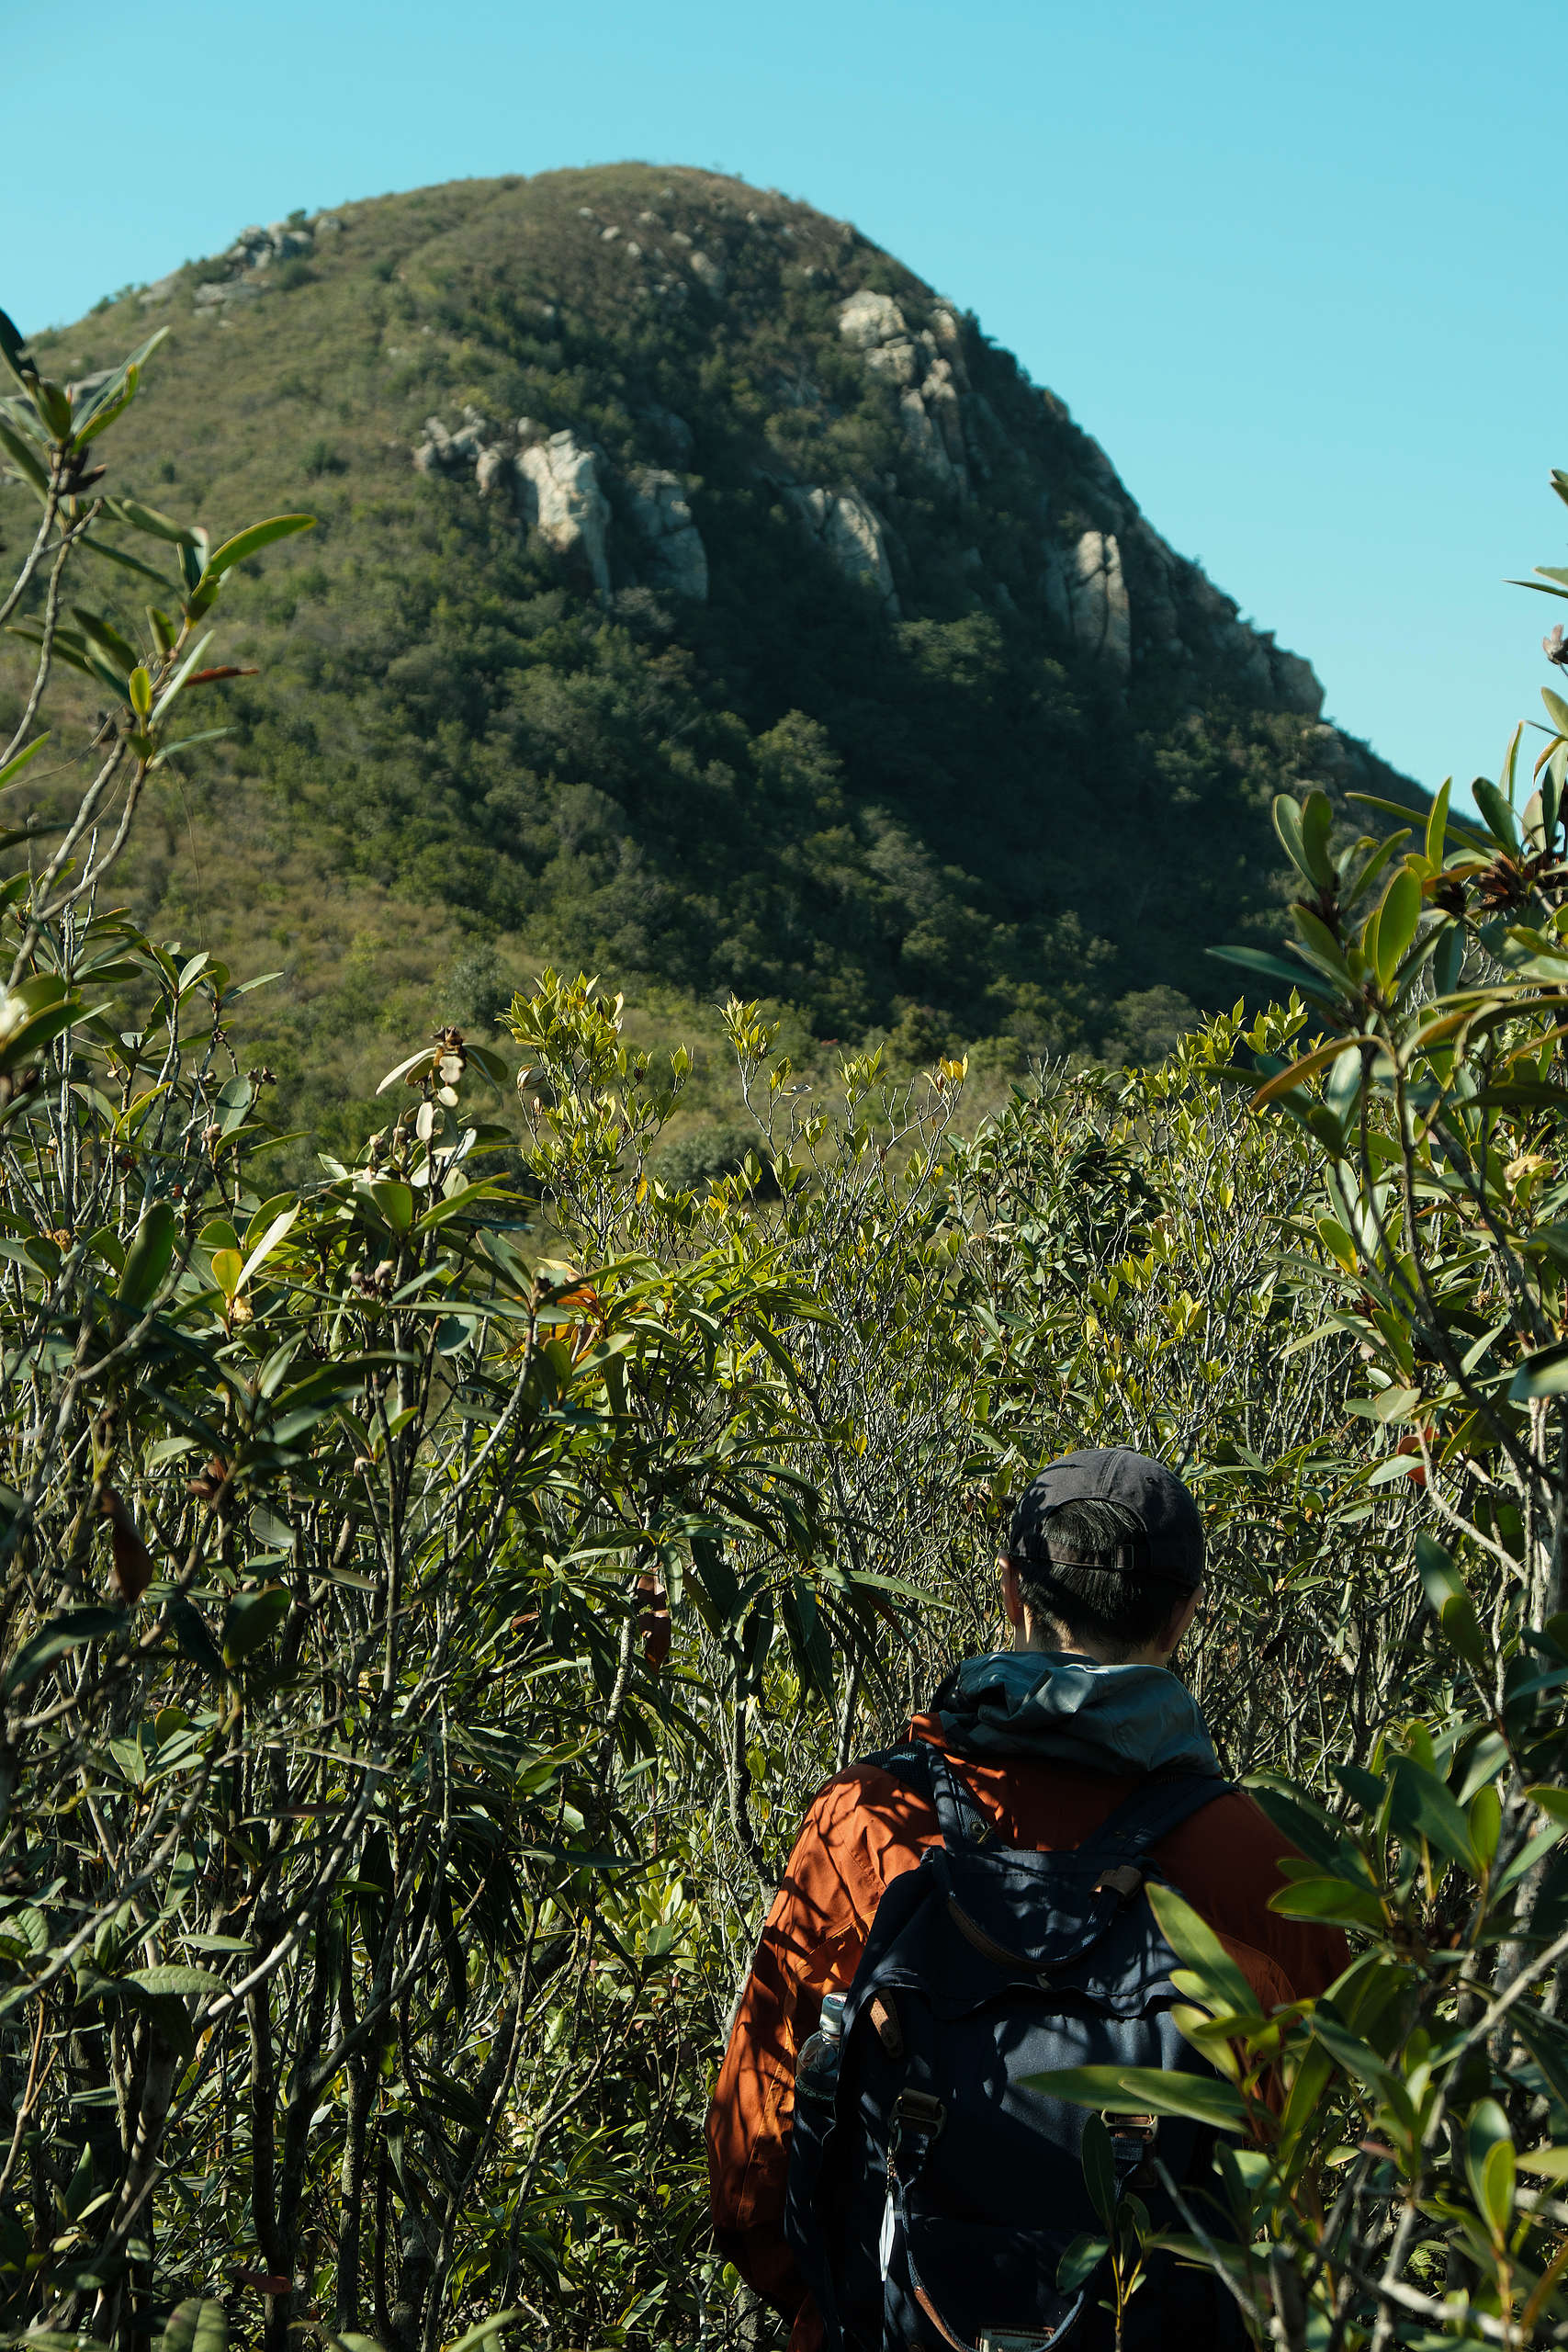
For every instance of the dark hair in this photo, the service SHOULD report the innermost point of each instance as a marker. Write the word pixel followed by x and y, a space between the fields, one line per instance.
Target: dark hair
pixel 1118 1612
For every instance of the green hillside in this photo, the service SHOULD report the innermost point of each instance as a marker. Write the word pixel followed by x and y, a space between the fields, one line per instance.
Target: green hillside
pixel 699 598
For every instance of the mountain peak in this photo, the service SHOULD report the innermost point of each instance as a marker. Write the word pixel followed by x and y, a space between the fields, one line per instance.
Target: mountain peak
pixel 702 596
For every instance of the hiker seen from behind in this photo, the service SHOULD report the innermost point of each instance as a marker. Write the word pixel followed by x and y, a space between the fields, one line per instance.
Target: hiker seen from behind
pixel 966 1911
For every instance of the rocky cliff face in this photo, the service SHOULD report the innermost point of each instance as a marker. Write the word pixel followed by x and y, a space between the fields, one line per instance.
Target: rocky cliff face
pixel 702 594
pixel 1109 587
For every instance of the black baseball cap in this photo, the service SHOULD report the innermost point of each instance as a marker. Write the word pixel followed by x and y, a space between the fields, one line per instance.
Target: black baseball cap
pixel 1168 1543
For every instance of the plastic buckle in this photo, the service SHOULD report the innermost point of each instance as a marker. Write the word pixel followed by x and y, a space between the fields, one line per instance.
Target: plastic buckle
pixel 917 2113
pixel 1131 2143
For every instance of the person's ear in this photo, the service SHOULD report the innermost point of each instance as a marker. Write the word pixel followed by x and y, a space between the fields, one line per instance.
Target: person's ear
pixel 1012 1600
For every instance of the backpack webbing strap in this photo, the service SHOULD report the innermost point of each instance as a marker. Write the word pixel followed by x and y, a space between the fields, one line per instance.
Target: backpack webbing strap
pixel 960 1817
pixel 1160 1805
pixel 1157 1807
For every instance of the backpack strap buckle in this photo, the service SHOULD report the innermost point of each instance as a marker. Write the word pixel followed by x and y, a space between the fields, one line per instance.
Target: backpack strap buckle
pixel 1132 2141
pixel 917 2116
pixel 1122 1878
pixel 916 2124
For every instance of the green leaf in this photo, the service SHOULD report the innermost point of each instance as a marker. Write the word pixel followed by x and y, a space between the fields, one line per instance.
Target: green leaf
pixel 1489 2165
pixel 147 1258
pixel 1300 1818
pixel 13 351
pixel 251 1618
pixel 148 519
pixel 13 768
pixel 1223 1984
pixel 246 543
pixel 1397 918
pixel 70 645
pixel 201 2324
pixel 25 457
pixel 1485 1824
pixel 1449 1600
pixel 101 633
pixel 808 1638
pixel 1145 2091
pixel 176 684
pixel 1500 819
pixel 1289 1081
pixel 1436 822
pixel 227 1268
pixel 1421 1806
pixel 481 2333
pixel 1333 1899
pixel 1079 2263
pixel 98 416
pixel 127 562
pixel 1100 2169
pixel 717 1577
pixel 67 1632
pixel 188 743
pixel 1274 968
pixel 173 1978
pixel 1347 2050
pixel 48 399
pixel 108 673
pixel 1544 1374
pixel 189 1628
pixel 280 1226
pixel 425 1056
pixel 395 1202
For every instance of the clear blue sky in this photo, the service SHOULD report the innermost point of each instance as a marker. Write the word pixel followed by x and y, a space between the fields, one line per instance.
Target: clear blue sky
pixel 1300 270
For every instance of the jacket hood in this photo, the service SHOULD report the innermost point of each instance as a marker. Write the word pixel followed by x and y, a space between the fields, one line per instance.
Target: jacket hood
pixel 1054 1704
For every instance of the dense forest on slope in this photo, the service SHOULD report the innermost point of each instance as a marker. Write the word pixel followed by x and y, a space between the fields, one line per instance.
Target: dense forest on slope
pixel 748 621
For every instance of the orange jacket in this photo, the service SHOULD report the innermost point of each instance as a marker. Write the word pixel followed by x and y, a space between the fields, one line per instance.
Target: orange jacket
pixel 860 1832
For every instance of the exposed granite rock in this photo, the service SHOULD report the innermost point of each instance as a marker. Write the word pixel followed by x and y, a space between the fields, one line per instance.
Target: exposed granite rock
pixel 950 336
pixel 1085 592
pixel 253 252
pixel 925 368
pixel 868 319
pixel 563 499
pixel 217 291
pixel 493 469
pixel 922 433
pixel 933 428
pixel 455 453
pixel 678 560
pixel 1109 582
pixel 852 532
pixel 1295 681
pixel 1125 597
pixel 1097 595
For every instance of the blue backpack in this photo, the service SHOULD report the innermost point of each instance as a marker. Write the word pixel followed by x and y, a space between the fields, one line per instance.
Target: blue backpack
pixel 931 2194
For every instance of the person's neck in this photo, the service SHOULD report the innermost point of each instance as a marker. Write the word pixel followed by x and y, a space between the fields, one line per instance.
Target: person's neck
pixel 1034 1635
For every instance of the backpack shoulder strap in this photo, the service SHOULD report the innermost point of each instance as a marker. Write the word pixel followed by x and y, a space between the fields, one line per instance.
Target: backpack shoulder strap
pixel 927 1770
pixel 1164 1802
